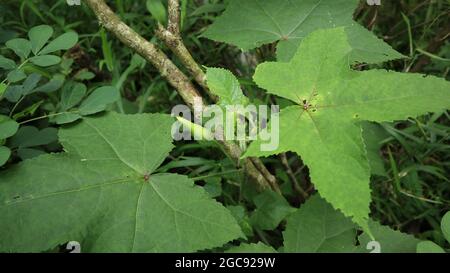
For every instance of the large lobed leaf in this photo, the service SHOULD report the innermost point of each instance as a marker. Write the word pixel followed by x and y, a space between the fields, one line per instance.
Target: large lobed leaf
pixel 103 192
pixel 252 23
pixel 324 126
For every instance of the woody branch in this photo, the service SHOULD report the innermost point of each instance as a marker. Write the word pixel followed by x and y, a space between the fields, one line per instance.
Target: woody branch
pixel 254 168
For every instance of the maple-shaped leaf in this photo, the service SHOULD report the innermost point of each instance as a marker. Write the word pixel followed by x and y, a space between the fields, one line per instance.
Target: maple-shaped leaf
pixel 323 127
pixel 104 193
pixel 317 227
pixel 251 23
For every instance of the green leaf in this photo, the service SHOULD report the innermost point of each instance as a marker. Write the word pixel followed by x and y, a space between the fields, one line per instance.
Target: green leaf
pixel 103 193
pixel 20 46
pixel 62 42
pixel 72 95
pixel 429 247
pixel 6 63
pixel 184 7
pixel 445 226
pixel 373 134
pixel 239 213
pixel 366 47
pixel 317 227
pixel 3 88
pixel 251 248
pixel 52 85
pixel 213 186
pixel 39 36
pixel 45 60
pixel 8 127
pixel 16 75
pixel 107 51
pixel 5 153
pixel 30 136
pixel 64 118
pixel 98 100
pixel 13 92
pixel 252 23
pixel 391 241
pixel 83 75
pixel 224 84
pixel 331 100
pixel 207 8
pixel 157 10
pixel 30 83
pixel 271 209
pixel 27 153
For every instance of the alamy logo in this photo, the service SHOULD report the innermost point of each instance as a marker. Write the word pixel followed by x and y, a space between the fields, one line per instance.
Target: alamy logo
pixel 73 2
pixel 374 246
pixel 374 2
pixel 232 122
pixel 74 247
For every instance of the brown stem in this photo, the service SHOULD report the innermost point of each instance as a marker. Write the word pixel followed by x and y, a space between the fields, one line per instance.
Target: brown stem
pixel 295 182
pixel 269 177
pixel 147 50
pixel 174 76
pixel 176 45
pixel 233 150
pixel 173 25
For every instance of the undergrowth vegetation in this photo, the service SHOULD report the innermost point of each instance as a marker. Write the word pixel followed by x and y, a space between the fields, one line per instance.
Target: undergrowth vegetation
pixel 86 152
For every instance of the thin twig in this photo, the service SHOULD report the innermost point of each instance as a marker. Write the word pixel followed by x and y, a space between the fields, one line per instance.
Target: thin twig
pixel 272 180
pixel 290 173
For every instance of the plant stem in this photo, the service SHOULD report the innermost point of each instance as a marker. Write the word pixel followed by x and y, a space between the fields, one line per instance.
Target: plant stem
pixel 215 174
pixel 177 46
pixel 15 106
pixel 149 51
pixel 294 181
pixel 173 7
pixel 45 116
